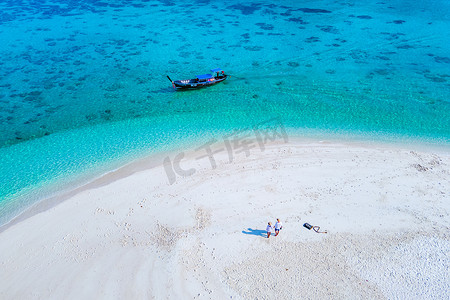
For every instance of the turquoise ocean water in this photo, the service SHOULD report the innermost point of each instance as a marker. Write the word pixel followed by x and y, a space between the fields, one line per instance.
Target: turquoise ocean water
pixel 83 84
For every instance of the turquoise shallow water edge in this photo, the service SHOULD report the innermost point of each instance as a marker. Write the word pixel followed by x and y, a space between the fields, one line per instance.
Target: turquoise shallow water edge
pixel 83 86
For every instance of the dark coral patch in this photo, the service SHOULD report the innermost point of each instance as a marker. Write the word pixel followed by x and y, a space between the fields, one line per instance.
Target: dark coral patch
pixel 253 48
pixel 359 55
pixel 406 47
pixel 287 13
pixel 312 39
pixel 246 9
pixel 35 93
pixel 364 17
pixel 442 60
pixel 314 11
pixel 5 17
pixel 265 26
pixel 328 28
pixel 436 78
pixel 383 72
pixel 392 36
pixel 184 54
pixel 297 20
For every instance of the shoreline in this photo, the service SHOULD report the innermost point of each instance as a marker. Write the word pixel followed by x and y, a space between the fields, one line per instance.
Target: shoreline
pixel 154 159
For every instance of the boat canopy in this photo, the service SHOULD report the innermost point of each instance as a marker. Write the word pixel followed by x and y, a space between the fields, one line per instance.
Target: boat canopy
pixel 204 76
pixel 216 70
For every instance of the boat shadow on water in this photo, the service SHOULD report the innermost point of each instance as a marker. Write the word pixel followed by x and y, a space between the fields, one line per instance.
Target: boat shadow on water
pixel 165 90
pixel 170 89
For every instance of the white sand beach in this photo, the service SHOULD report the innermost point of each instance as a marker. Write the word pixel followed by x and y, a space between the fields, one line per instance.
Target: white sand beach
pixel 133 235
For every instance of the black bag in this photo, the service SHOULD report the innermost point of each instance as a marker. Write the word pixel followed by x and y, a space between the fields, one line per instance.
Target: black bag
pixel 307 226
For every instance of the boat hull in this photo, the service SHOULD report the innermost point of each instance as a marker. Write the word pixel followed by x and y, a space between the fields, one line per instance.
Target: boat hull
pixel 194 84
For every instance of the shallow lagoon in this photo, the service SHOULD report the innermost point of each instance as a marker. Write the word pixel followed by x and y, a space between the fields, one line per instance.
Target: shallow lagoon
pixel 83 86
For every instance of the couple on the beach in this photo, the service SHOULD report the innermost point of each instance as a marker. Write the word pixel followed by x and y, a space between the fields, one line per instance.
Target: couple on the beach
pixel 278 226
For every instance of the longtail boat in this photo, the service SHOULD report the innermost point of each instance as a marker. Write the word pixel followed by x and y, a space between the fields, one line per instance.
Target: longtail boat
pixel 216 76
